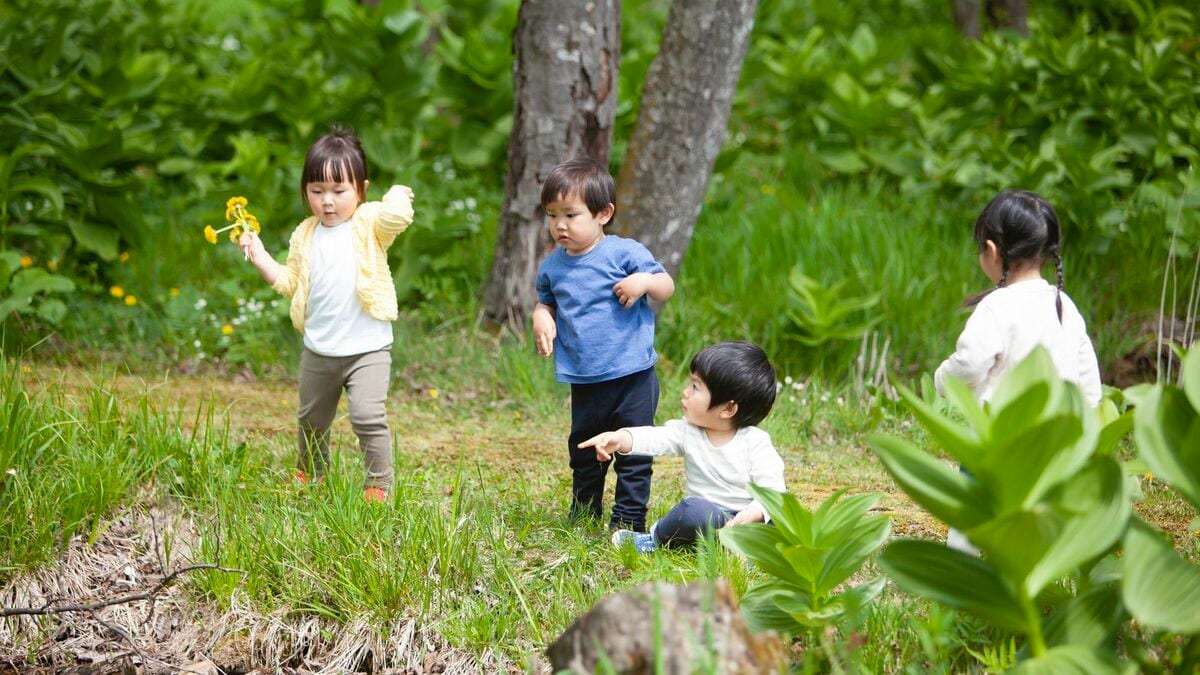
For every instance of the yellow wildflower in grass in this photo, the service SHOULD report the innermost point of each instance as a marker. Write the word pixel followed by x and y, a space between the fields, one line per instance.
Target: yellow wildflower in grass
pixel 433 393
pixel 174 292
pixel 124 257
pixel 226 329
pixel 52 265
pixel 26 261
pixel 116 292
pixel 131 300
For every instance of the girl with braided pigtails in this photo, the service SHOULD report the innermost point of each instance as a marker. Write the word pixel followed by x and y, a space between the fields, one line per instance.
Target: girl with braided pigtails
pixel 1018 233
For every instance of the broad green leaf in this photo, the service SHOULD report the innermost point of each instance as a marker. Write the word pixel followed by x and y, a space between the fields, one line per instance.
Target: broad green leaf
pixel 961 396
pixel 954 579
pixel 1021 466
pixel 762 613
pixel 1069 660
pixel 1167 431
pixel 174 166
pixel 807 563
pixel 833 516
pixel 1113 432
pixel 1191 377
pixel 786 513
pixel 861 595
pixel 1095 507
pixel 1015 542
pixel 805 614
pixel 41 186
pixel 760 543
pixel 1090 619
pixel 948 494
pixel 100 239
pixel 1161 589
pixel 846 558
pixel 52 310
pixel 958 441
pixel 1037 367
pixel 1024 411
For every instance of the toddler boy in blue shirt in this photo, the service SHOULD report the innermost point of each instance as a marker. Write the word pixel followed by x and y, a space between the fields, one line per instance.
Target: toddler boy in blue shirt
pixel 594 317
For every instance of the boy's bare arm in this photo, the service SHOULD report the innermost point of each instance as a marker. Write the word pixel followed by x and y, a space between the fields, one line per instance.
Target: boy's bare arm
pixel 750 514
pixel 659 286
pixel 544 328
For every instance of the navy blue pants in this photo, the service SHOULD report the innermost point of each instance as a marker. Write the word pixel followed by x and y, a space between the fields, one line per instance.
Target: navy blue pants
pixel 628 401
pixel 687 521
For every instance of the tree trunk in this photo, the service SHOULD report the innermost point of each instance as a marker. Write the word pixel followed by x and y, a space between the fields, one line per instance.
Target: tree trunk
pixel 967 17
pixel 565 57
pixel 681 124
pixel 1010 14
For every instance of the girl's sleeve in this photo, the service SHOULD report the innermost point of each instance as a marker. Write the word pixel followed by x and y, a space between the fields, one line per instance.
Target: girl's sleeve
pixel 766 469
pixel 285 283
pixel 978 347
pixel 666 440
pixel 395 214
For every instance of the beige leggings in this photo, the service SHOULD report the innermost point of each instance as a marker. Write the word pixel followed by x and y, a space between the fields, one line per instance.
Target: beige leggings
pixel 365 378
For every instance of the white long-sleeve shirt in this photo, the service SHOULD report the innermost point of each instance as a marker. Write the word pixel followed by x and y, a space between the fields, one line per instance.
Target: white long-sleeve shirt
pixel 719 474
pixel 1007 325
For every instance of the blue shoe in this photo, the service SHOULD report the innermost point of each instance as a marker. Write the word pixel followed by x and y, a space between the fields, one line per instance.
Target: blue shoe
pixel 642 542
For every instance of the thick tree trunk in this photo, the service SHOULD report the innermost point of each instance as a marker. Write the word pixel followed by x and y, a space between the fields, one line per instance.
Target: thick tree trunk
pixel 565 57
pixel 968 17
pixel 681 124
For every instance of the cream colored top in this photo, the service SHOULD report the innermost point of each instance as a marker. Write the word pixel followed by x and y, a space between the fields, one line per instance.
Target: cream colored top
pixel 374 227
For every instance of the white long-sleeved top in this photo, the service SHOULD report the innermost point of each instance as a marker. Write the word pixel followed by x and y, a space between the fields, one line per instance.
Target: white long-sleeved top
pixel 1007 325
pixel 719 474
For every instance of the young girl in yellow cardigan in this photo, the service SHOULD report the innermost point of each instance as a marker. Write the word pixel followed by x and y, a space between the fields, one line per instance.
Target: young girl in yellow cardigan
pixel 343 302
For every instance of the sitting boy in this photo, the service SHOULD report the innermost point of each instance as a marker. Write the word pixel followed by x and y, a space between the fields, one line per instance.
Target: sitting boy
pixel 732 388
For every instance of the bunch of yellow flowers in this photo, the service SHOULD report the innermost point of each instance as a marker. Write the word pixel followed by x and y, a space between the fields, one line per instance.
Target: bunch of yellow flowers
pixel 241 218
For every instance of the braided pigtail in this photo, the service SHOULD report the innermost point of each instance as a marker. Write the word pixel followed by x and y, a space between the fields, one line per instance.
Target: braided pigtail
pixel 1058 273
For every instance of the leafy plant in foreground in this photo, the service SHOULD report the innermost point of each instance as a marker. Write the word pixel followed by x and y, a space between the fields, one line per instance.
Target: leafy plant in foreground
pixel 808 555
pixel 1045 502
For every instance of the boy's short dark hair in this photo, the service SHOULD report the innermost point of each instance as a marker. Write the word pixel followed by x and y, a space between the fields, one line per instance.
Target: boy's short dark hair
pixel 337 156
pixel 585 177
pixel 738 371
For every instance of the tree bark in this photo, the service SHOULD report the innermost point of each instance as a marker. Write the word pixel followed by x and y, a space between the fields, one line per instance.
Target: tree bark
pixel 1010 14
pixel 681 125
pixel 565 58
pixel 967 17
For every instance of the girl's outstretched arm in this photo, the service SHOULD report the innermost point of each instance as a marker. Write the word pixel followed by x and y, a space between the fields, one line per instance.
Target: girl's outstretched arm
pixel 253 247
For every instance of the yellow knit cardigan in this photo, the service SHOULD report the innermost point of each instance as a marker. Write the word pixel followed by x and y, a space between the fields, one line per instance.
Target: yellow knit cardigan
pixel 375 226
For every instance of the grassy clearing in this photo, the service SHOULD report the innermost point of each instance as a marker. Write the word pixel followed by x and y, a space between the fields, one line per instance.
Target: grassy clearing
pixel 473 548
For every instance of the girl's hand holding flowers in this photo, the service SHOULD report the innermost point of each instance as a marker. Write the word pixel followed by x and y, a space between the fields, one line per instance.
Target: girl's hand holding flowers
pixel 243 223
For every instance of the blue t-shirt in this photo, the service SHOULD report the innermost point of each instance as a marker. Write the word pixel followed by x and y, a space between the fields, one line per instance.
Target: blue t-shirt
pixel 598 339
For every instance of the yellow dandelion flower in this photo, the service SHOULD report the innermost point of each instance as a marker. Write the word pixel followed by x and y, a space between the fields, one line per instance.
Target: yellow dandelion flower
pixel 131 300
pixel 174 292
pixel 433 393
pixel 116 292
pixel 235 233
pixel 26 261
pixel 52 265
pixel 124 257
pixel 210 234
pixel 226 329
pixel 24 369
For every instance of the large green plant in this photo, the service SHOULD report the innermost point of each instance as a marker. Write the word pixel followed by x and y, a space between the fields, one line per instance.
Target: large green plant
pixel 808 554
pixel 1162 589
pixel 1045 502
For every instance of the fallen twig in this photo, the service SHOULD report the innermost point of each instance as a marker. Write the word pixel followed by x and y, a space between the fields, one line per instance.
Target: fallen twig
pixel 150 594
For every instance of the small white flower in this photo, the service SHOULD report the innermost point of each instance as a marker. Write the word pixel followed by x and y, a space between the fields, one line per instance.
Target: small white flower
pixel 778 386
pixel 824 398
pixel 11 472
pixel 471 203
pixel 231 43
pixel 200 304
pixel 791 399
pixel 788 380
pixel 841 401
pixel 196 344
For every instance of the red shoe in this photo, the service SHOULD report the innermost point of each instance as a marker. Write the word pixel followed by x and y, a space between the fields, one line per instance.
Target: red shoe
pixel 301 478
pixel 374 494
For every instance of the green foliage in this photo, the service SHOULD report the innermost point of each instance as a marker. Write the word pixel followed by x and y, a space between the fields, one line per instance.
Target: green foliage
pixel 1044 501
pixel 808 554
pixel 1099 117
pixel 821 314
